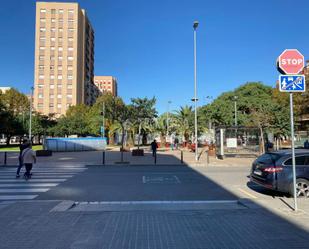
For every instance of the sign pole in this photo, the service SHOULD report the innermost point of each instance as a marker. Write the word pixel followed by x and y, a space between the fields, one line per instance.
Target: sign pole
pixel 293 152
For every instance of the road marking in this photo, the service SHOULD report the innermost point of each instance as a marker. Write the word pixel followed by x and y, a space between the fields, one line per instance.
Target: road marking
pixel 161 202
pixel 19 190
pixel 17 197
pixel 7 185
pixel 247 193
pixel 33 180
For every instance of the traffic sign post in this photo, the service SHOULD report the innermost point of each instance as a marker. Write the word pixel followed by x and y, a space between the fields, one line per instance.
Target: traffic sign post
pixel 292 62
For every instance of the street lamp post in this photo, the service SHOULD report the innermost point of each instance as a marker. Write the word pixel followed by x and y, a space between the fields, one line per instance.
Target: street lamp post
pixel 30 114
pixel 195 25
pixel 235 106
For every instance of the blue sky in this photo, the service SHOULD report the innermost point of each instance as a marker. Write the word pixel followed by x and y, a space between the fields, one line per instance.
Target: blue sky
pixel 148 44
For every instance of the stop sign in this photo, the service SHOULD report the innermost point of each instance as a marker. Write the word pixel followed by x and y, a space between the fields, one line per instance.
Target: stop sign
pixel 291 61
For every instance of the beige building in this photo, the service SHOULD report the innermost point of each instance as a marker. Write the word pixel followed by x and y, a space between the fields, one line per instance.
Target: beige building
pixel 64 58
pixel 106 84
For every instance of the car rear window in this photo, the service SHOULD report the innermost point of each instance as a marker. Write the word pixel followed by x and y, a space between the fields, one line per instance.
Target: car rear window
pixel 268 158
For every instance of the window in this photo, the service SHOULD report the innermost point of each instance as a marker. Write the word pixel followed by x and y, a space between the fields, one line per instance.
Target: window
pixel 71 30
pixel 51 105
pixel 52 77
pixel 60 30
pixel 43 39
pixel 60 58
pixel 42 48
pixel 43 10
pixel 40 86
pixel 59 96
pixel 52 67
pixel 59 67
pixel 53 39
pixel 70 77
pixel 68 105
pixel 70 48
pixel 70 68
pixel 52 48
pixel 42 20
pixel 41 67
pixel 60 49
pixel 71 11
pixel 69 86
pixel 53 11
pixel 60 39
pixel 51 96
pixel 70 58
pixel 42 29
pixel 59 86
pixel 53 30
pixel 59 105
pixel 69 96
pixel 41 77
pixel 59 77
pixel 60 20
pixel 299 160
pixel 40 95
pixel 70 20
pixel 40 105
pixel 70 39
pixel 52 86
pixel 52 58
pixel 53 20
pixel 60 11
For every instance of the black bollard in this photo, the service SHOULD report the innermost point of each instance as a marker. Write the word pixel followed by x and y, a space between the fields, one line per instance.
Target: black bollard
pixel 5 158
pixel 103 158
pixel 181 157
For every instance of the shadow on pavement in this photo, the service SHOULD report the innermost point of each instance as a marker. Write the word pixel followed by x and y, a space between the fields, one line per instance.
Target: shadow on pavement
pixel 179 207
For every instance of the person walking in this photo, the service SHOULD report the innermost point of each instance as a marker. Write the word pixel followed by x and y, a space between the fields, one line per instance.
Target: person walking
pixel 176 142
pixel 23 146
pixel 154 147
pixel 306 144
pixel 28 158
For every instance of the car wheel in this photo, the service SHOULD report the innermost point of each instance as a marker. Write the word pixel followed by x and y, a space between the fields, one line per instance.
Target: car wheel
pixel 302 188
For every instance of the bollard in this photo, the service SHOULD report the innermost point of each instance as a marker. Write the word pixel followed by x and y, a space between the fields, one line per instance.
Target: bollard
pixel 207 157
pixel 103 158
pixel 181 157
pixel 155 158
pixel 5 158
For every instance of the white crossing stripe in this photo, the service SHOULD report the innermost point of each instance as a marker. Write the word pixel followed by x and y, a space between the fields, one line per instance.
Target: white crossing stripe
pixel 19 190
pixel 7 185
pixel 33 180
pixel 17 197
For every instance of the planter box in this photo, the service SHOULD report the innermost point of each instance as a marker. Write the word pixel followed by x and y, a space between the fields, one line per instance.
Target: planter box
pixel 137 152
pixel 44 153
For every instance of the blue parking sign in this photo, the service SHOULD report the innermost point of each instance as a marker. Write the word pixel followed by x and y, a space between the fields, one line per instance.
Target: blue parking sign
pixel 292 83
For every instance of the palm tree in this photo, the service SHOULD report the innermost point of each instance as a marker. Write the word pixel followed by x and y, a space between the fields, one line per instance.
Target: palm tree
pixel 184 121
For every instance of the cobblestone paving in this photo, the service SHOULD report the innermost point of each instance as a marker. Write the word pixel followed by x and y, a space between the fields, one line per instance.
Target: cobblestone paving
pixel 32 225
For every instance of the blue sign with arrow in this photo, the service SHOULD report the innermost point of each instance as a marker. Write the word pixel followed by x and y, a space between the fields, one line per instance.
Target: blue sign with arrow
pixel 292 83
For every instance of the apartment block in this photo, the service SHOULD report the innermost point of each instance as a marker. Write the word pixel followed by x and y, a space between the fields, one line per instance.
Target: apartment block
pixel 106 84
pixel 64 58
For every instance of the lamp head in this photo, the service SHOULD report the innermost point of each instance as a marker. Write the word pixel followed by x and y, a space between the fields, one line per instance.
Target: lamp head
pixel 195 24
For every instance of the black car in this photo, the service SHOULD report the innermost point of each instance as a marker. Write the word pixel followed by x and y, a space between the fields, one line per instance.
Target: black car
pixel 274 171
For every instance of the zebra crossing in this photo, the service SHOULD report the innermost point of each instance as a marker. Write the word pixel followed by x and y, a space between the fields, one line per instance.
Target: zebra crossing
pixel 43 179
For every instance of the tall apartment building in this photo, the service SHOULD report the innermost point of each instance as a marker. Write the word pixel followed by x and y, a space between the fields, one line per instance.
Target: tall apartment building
pixel 106 84
pixel 64 58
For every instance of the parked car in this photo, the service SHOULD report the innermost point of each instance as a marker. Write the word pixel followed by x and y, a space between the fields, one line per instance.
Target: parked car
pixel 274 171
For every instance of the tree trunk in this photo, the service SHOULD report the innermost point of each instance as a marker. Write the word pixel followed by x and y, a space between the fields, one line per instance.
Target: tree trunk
pixel 139 136
pixel 8 138
pixel 122 136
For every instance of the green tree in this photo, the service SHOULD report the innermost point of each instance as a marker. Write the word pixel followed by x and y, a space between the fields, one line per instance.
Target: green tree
pixel 184 121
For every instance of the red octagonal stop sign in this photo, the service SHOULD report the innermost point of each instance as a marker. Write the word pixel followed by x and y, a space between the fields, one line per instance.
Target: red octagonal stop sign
pixel 291 61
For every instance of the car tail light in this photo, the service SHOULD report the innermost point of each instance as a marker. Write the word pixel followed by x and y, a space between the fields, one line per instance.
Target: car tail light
pixel 273 169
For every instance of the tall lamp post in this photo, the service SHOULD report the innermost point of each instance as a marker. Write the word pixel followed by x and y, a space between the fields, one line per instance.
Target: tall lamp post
pixel 30 114
pixel 235 107
pixel 195 25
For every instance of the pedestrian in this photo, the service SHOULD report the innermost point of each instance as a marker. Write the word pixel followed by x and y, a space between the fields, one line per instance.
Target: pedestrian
pixel 176 141
pixel 28 159
pixel 23 146
pixel 306 144
pixel 154 147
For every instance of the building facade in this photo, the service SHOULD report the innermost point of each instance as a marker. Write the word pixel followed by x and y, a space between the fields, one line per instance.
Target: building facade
pixel 4 89
pixel 106 84
pixel 64 58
